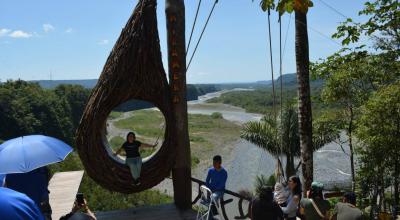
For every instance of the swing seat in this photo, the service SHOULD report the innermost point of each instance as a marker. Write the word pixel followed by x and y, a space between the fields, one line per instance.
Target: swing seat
pixel 133 70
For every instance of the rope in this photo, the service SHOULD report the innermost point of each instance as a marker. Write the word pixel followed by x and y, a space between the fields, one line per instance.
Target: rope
pixel 201 35
pixel 281 81
pixel 272 65
pixel 194 24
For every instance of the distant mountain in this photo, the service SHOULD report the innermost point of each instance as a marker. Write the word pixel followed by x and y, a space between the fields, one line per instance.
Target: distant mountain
pixel 49 84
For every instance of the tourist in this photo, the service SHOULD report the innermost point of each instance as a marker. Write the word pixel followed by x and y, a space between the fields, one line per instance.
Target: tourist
pixel 133 159
pixel 291 209
pixel 216 180
pixel 347 209
pixel 34 184
pixel 281 194
pixel 75 213
pixel 314 207
pixel 17 206
pixel 264 207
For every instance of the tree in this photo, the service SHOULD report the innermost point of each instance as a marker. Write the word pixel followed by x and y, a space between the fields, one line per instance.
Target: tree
pixel 268 134
pixel 26 108
pixel 300 7
pixel 181 172
pixel 383 26
pixel 379 133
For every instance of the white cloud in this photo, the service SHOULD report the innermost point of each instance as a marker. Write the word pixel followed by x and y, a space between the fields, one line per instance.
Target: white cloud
pixel 4 31
pixel 48 27
pixel 69 30
pixel 20 34
pixel 103 42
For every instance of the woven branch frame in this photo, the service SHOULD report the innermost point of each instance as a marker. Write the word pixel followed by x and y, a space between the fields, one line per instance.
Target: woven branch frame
pixel 133 70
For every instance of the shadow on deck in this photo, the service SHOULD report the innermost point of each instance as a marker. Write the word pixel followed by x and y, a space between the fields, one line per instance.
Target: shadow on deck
pixel 165 212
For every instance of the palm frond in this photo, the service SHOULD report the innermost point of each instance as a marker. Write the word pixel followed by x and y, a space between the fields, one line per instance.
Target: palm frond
pixel 262 135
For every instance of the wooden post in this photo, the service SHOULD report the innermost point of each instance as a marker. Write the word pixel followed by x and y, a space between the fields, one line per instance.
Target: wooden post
pixel 181 172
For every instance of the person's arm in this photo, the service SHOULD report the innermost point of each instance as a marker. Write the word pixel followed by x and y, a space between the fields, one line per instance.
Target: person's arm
pixel 88 211
pixel 292 206
pixel 118 151
pixel 149 145
pixel 208 179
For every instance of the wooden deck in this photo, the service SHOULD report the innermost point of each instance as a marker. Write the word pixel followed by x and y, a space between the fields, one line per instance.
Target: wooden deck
pixel 161 212
pixel 63 187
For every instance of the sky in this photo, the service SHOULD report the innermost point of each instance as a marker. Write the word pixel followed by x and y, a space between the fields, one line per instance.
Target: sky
pixel 71 39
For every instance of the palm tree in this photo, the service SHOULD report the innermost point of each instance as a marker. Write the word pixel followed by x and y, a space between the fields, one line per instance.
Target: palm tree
pixel 304 98
pixel 281 138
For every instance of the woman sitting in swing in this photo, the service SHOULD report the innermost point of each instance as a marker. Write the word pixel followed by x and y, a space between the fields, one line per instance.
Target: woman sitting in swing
pixel 133 159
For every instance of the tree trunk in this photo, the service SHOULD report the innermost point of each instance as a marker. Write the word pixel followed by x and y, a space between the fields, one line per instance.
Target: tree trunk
pixel 305 115
pixel 350 132
pixel 396 188
pixel 290 169
pixel 181 172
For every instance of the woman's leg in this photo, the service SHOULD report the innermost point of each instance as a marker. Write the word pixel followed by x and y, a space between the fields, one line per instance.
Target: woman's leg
pixel 138 166
pixel 131 163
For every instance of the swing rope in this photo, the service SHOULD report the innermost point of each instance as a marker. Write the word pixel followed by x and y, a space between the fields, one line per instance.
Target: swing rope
pixel 201 35
pixel 193 26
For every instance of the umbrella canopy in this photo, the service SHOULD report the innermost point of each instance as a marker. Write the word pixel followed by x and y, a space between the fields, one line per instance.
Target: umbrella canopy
pixel 26 153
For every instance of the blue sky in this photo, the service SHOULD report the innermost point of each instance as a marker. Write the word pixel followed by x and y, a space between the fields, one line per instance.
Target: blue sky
pixel 72 39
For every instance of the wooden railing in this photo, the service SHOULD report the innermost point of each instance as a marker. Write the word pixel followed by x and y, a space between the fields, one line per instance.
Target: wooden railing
pixel 242 214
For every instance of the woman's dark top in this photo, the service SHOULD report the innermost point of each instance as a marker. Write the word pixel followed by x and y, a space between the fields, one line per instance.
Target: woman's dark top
pixel 263 210
pixel 132 149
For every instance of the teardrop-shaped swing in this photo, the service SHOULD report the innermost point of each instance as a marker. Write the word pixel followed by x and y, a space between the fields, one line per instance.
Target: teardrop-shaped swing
pixel 133 70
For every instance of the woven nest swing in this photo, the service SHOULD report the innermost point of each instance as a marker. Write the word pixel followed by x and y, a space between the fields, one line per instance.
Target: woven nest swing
pixel 133 70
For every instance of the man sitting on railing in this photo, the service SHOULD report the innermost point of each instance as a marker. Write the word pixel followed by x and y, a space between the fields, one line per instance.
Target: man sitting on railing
pixel 216 179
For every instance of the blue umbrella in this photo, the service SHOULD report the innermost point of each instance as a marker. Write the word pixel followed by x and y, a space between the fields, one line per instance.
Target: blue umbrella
pixel 26 153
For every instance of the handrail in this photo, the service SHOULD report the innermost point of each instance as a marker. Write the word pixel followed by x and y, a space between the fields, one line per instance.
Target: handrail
pixel 223 202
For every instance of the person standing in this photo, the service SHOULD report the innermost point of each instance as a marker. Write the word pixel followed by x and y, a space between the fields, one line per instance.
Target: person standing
pixel 315 207
pixel 347 210
pixel 133 159
pixel 264 207
pixel 216 180
pixel 294 198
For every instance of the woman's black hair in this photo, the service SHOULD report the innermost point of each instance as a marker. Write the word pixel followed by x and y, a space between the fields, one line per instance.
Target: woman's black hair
pixel 297 190
pixel 314 193
pixel 130 133
pixel 266 194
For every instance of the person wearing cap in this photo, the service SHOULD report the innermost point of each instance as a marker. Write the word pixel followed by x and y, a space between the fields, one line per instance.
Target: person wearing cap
pixel 347 210
pixel 314 207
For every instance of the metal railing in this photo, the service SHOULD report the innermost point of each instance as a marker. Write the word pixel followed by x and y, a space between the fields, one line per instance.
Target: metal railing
pixel 242 214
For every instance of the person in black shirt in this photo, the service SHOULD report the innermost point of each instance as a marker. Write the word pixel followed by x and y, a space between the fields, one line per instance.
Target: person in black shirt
pixel 133 159
pixel 264 207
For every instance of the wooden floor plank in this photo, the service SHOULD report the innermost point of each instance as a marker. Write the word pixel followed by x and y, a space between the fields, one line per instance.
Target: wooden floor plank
pixel 164 212
pixel 63 187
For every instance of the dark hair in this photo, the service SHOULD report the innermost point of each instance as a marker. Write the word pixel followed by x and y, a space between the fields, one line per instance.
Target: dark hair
pixel 314 193
pixel 266 194
pixel 296 191
pixel 130 133
pixel 217 158
pixel 350 197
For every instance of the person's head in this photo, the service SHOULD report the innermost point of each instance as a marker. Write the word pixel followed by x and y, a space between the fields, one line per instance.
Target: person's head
pixel 278 187
pixel 217 160
pixel 316 190
pixel 350 197
pixel 130 137
pixel 294 185
pixel 266 194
